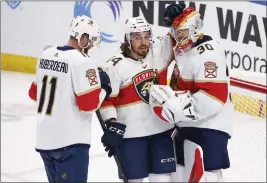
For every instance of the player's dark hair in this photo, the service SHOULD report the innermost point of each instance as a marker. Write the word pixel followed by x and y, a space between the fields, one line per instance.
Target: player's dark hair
pixel 125 47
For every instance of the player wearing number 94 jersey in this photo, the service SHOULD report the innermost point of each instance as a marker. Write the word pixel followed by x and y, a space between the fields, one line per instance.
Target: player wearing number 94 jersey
pixel 146 149
pixel 68 89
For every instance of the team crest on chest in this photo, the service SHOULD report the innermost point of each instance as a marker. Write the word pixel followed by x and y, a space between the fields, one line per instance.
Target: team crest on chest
pixel 210 69
pixel 142 83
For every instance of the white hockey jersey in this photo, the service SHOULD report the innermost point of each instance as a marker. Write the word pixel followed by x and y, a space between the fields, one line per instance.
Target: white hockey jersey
pixel 131 80
pixel 67 91
pixel 203 71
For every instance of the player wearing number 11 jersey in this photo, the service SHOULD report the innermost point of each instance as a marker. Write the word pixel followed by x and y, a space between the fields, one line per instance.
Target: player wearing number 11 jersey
pixel 68 89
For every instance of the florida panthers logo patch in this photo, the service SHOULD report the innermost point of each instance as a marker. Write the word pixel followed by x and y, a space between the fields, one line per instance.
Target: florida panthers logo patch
pixel 142 83
pixel 210 69
pixel 91 75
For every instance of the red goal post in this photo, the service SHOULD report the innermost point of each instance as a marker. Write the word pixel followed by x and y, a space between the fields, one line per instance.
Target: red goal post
pixel 248 92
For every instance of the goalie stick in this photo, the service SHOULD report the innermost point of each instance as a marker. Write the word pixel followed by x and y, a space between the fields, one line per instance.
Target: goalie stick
pixel 103 126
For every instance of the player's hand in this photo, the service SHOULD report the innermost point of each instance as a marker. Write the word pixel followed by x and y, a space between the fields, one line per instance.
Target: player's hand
pixel 170 106
pixel 112 137
pixel 105 82
pixel 171 12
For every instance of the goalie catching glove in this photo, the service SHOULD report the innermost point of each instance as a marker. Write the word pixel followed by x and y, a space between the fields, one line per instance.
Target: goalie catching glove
pixel 170 106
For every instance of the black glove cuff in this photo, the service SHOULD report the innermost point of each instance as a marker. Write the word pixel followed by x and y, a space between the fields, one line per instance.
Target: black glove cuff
pixel 116 127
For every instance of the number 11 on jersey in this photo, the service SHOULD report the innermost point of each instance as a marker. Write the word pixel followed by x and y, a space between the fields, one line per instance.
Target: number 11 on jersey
pixel 53 83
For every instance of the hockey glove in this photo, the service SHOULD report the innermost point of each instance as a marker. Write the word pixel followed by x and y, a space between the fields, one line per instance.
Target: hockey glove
pixel 112 136
pixel 105 82
pixel 170 106
pixel 171 12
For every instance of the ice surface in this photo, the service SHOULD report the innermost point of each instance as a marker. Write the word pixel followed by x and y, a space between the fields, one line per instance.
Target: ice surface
pixel 21 163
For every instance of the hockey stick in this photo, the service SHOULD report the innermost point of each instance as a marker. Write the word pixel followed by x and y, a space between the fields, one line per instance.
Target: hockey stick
pixel 103 126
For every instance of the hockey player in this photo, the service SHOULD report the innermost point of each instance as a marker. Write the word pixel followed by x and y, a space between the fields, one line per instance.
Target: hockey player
pixel 201 73
pixel 144 143
pixel 68 90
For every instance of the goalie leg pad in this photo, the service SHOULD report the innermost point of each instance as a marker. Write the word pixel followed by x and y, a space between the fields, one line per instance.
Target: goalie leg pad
pixel 213 176
pixel 209 176
pixel 213 143
pixel 193 169
pixel 193 159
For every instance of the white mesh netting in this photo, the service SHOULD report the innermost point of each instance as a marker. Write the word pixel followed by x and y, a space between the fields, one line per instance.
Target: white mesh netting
pixel 248 92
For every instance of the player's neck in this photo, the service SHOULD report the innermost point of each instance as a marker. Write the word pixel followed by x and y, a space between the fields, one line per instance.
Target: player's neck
pixel 135 56
pixel 74 44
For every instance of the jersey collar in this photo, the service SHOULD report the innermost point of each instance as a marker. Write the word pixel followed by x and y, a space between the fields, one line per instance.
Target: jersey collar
pixel 65 48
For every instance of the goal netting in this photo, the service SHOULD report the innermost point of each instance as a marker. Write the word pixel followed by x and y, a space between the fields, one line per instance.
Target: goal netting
pixel 247 147
pixel 248 93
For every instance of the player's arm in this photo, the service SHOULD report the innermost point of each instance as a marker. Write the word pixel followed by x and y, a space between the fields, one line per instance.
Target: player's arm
pixel 115 130
pixel 108 108
pixel 87 86
pixel 33 91
pixel 33 88
pixel 163 48
pixel 168 42
pixel 211 84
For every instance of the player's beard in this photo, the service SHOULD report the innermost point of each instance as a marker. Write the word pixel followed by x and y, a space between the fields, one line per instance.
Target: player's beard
pixel 143 52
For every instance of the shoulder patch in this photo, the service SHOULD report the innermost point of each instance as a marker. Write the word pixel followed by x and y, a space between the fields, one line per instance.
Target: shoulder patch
pixel 91 75
pixel 210 69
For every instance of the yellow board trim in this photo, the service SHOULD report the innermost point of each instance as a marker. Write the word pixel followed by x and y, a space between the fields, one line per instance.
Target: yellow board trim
pixel 18 63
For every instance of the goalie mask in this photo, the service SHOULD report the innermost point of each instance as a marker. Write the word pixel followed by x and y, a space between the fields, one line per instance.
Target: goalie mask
pixel 84 25
pixel 186 28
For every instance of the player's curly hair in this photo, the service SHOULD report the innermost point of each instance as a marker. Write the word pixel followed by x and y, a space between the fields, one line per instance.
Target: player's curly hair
pixel 125 47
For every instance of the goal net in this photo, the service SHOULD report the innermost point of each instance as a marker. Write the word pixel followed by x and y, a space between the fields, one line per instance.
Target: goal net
pixel 247 147
pixel 248 93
